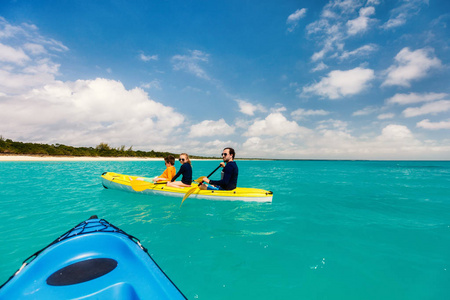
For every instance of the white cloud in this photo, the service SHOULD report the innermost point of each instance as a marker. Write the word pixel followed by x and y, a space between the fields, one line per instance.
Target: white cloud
pixel 426 124
pixel 146 58
pixel 293 19
pixel 301 113
pixel 154 84
pixel 20 71
pixel 191 63
pixel 386 116
pixel 211 128
pixel 334 141
pixel 275 124
pixel 35 106
pixel 362 51
pixel 328 34
pixel 401 14
pixel 12 55
pixel 248 108
pixel 396 21
pixel 87 112
pixel 343 6
pixel 339 21
pixel 24 35
pixel 339 84
pixel 332 124
pixel 366 111
pixel 361 23
pixel 7 30
pixel 396 134
pixel 321 54
pixel 411 98
pixel 35 49
pixel 321 66
pixel 411 65
pixel 18 82
pixel 429 108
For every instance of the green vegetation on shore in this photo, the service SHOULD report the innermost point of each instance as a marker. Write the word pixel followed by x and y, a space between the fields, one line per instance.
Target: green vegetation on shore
pixel 8 146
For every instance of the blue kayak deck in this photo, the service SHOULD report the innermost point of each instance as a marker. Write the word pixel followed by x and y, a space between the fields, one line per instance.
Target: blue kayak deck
pixel 92 261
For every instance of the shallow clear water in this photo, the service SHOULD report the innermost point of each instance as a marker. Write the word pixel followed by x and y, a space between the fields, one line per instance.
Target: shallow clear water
pixel 335 229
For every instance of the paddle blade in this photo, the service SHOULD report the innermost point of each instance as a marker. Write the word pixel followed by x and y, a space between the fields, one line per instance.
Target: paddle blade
pixel 140 185
pixel 200 179
pixel 188 193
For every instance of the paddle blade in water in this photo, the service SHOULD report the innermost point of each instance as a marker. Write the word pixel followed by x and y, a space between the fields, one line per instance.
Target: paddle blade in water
pixel 188 193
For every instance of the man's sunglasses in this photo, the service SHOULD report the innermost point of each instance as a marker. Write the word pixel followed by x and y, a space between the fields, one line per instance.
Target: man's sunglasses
pixel 224 154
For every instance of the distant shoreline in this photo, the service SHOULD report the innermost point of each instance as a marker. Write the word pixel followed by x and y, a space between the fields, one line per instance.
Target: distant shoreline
pixel 24 157
pixel 10 157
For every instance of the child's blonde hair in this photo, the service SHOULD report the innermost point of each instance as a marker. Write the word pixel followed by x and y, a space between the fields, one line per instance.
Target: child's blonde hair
pixel 187 158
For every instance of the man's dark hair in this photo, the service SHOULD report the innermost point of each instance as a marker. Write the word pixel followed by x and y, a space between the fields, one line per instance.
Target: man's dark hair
pixel 232 153
pixel 170 159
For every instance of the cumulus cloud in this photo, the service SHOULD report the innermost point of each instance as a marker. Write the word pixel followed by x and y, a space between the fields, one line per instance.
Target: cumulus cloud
pixel 35 106
pixel 35 49
pixel 12 55
pixel 395 134
pixel 154 84
pixel 292 20
pixel 361 23
pixel 211 128
pixel 429 108
pixel 333 125
pixel 321 66
pixel 427 124
pixel 386 116
pixel 25 58
pixel 339 84
pixel 191 63
pixel 412 98
pixel 366 111
pixel 401 14
pixel 146 58
pixel 248 108
pixel 411 65
pixel 334 140
pixel 86 112
pixel 362 51
pixel 275 124
pixel 339 21
pixel 302 113
pixel 27 36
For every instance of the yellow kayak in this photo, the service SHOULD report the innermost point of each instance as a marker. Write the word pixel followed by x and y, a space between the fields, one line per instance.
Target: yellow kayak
pixel 123 182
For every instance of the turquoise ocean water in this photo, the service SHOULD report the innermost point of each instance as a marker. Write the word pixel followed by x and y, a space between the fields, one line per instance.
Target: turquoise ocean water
pixel 335 229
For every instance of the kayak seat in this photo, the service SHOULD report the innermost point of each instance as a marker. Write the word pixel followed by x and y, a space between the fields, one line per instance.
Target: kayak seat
pixel 82 271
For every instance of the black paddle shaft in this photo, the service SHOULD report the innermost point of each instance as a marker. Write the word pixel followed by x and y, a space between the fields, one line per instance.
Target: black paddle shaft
pixel 209 175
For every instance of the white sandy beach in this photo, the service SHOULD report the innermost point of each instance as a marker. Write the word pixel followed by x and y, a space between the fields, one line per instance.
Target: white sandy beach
pixel 70 158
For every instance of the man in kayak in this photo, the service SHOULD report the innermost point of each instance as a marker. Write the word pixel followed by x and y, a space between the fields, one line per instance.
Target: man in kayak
pixel 229 173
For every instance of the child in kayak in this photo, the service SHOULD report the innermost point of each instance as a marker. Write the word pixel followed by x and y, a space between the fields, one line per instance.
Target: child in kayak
pixel 170 171
pixel 185 170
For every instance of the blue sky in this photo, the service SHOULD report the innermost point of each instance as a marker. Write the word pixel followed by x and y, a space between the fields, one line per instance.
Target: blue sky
pixel 339 79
